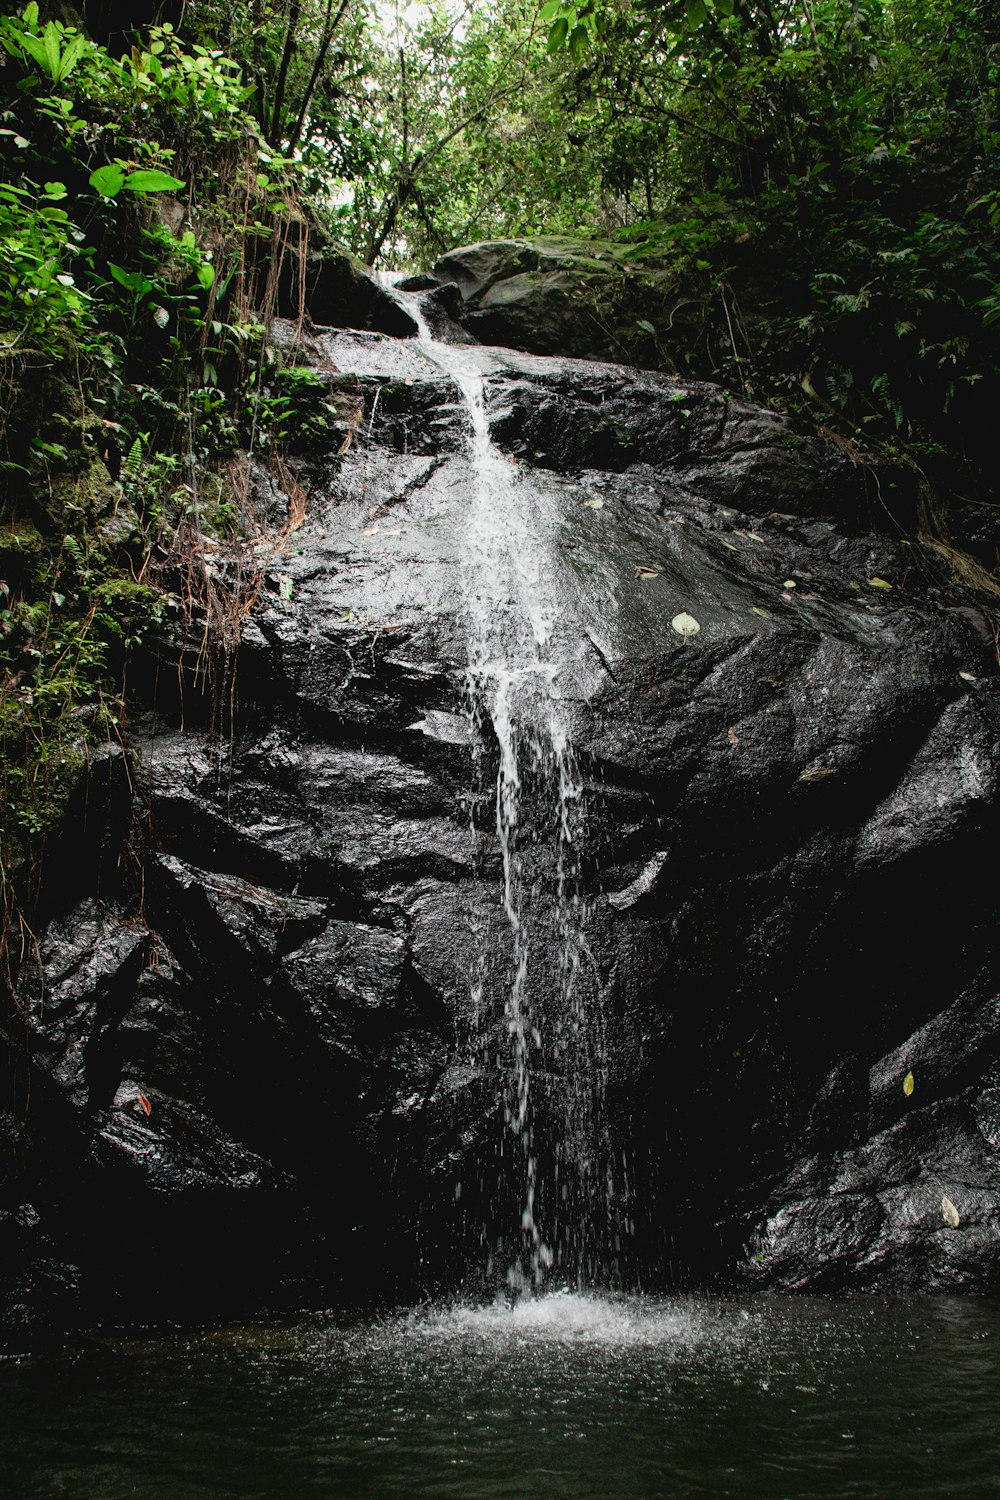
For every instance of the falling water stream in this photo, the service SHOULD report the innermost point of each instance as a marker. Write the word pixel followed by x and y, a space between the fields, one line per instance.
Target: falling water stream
pixel 523 664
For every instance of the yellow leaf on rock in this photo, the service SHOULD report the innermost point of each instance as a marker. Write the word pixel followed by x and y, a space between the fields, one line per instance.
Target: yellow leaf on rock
pixel 685 624
pixel 879 583
pixel 908 1085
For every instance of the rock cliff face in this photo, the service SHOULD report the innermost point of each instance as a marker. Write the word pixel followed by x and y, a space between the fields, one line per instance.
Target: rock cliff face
pixel 247 1019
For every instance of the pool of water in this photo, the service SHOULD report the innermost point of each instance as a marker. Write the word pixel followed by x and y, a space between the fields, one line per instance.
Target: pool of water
pixel 567 1397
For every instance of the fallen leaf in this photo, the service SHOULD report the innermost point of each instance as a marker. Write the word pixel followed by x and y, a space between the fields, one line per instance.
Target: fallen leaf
pixel 787 598
pixel 594 504
pixel 789 583
pixel 908 1084
pixel 141 1100
pixel 818 773
pixel 854 585
pixel 733 737
pixel 878 583
pixel 731 545
pixel 950 1213
pixel 685 625
pixel 284 588
pixel 371 530
pixel 647 572
pixel 968 677
pixel 765 614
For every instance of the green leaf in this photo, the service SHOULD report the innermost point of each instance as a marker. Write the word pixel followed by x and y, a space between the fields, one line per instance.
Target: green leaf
pixel 107 180
pixel 55 190
pixel 71 56
pixel 557 34
pixel 578 40
pixel 35 47
pixel 646 326
pixel 206 275
pixel 50 40
pixel 908 1085
pixel 878 583
pixel 149 180
pixel 697 12
pixel 132 281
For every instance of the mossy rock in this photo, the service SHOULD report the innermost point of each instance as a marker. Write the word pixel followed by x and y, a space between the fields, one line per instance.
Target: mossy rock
pixel 559 294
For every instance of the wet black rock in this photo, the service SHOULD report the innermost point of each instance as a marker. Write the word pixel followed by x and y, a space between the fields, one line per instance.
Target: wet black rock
pixel 250 1022
pixel 335 289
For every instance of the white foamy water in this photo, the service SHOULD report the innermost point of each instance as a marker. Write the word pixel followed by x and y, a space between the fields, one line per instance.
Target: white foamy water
pixel 524 658
pixel 576 1318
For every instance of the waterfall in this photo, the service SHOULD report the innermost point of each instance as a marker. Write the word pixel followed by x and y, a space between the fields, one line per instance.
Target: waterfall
pixel 554 1182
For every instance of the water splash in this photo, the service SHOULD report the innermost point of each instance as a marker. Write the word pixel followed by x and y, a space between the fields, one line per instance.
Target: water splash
pixel 523 665
pixel 573 1318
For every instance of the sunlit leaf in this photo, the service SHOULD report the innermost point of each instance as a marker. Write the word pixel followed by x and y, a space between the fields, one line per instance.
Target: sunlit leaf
pixel 595 504
pixel 148 180
pixel 107 180
pixel 950 1213
pixel 685 624
pixel 908 1085
pixel 878 583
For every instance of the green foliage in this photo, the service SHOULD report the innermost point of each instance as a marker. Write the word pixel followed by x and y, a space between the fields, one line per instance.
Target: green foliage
pixel 126 334
pixel 823 181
